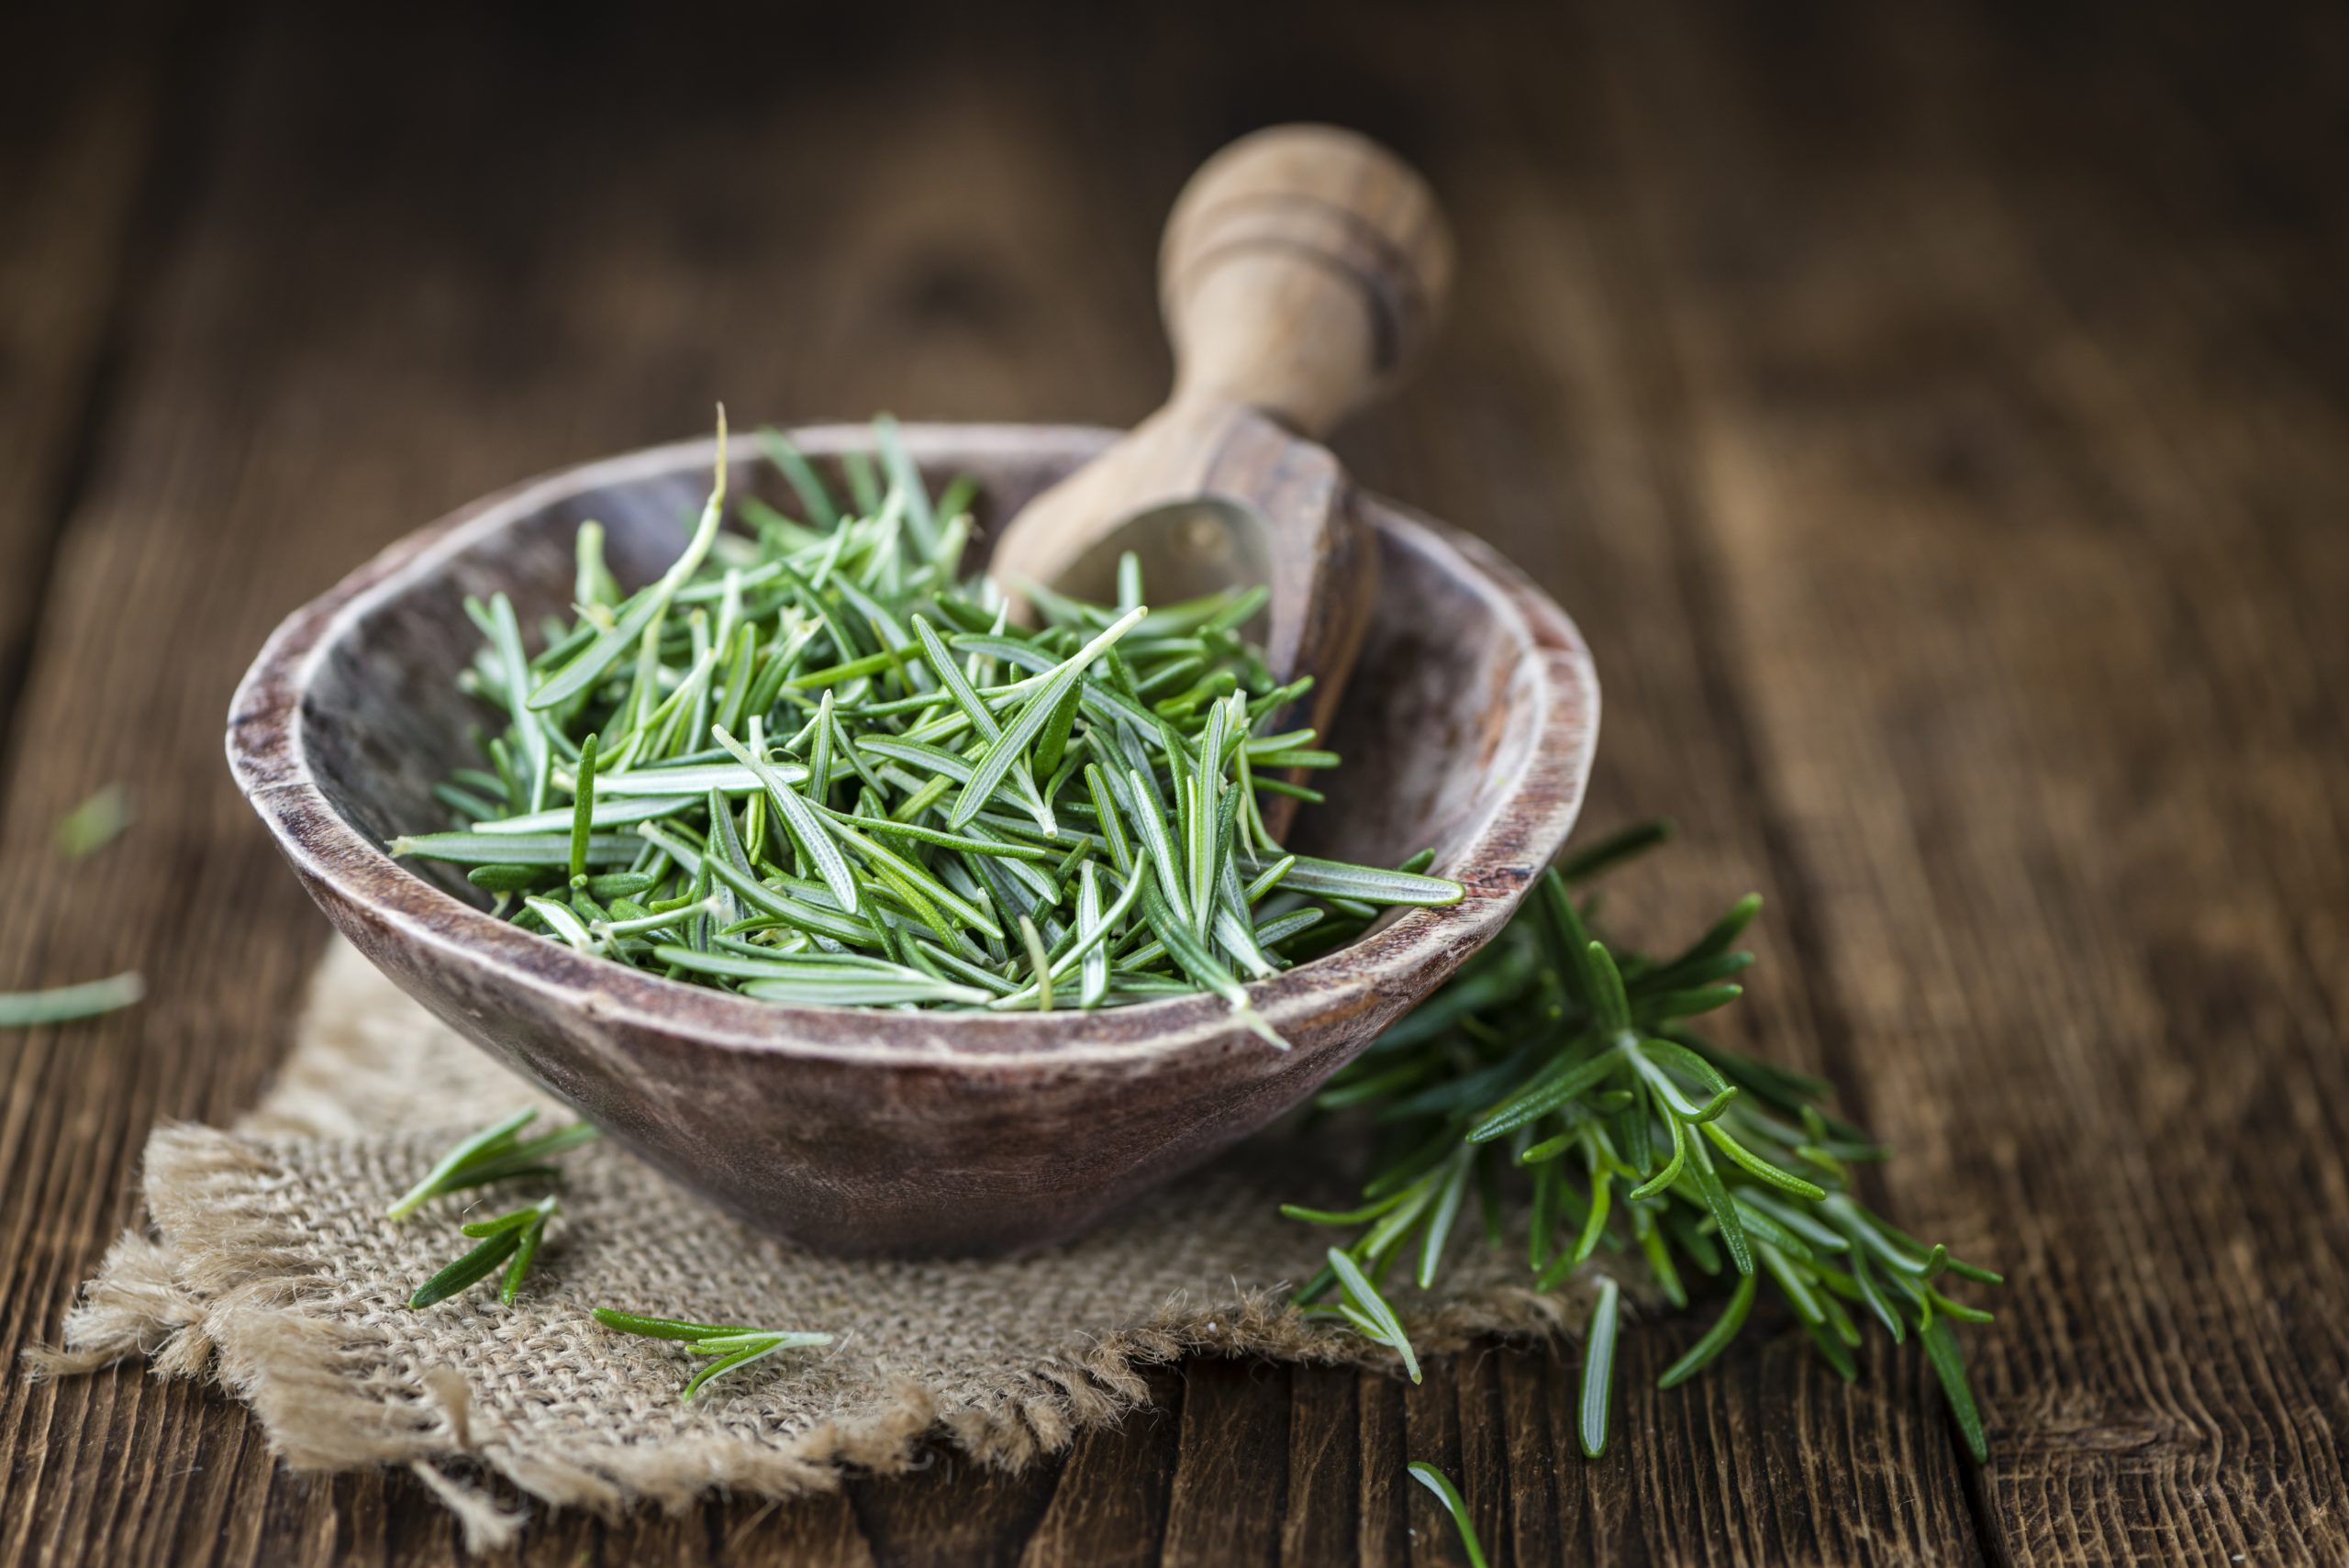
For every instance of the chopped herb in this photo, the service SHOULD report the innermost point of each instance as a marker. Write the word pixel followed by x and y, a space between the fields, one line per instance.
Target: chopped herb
pixel 734 1346
pixel 498 1152
pixel 1437 1481
pixel 95 823
pixel 63 1004
pixel 833 772
pixel 1574 1064
pixel 510 1241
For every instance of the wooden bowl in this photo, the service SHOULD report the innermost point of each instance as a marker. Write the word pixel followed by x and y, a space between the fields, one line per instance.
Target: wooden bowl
pixel 1468 726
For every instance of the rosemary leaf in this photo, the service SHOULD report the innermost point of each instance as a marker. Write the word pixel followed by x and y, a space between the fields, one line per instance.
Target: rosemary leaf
pixel 64 1004
pixel 467 1271
pixel 496 1152
pixel 733 1345
pixel 513 1236
pixel 1437 1481
pixel 1597 1370
pixel 645 611
pixel 1716 1339
pixel 95 823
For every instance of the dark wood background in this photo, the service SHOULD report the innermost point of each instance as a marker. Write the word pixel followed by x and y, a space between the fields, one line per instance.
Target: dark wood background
pixel 1938 422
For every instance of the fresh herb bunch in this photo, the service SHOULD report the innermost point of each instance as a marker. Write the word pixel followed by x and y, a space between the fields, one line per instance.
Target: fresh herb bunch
pixel 1647 1146
pixel 814 764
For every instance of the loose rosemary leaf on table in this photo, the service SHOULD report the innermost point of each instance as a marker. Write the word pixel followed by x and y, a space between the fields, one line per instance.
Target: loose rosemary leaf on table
pixel 95 823
pixel 65 1004
pixel 734 1346
pixel 1437 1481
pixel 1573 1065
pixel 815 765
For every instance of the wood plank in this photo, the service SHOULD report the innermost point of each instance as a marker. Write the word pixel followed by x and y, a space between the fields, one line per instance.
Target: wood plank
pixel 954 1511
pixel 1382 1527
pixel 1435 1428
pixel 1109 1506
pixel 1318 1523
pixel 1391 1501
pixel 79 95
pixel 1993 556
pixel 1231 1470
pixel 1534 1467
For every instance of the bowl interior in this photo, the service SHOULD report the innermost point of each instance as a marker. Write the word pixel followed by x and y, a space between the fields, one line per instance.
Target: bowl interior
pixel 1430 738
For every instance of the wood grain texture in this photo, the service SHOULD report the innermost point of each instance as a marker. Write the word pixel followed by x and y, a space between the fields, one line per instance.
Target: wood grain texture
pixel 78 173
pixel 1939 424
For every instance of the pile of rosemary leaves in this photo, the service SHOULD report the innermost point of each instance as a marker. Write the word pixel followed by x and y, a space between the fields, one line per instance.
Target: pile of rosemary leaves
pixel 814 764
pixel 1652 1153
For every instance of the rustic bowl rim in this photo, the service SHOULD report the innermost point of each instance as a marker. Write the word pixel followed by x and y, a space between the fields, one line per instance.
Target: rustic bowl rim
pixel 268 755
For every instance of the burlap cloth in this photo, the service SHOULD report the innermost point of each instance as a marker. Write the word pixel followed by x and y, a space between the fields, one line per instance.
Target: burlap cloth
pixel 268 1267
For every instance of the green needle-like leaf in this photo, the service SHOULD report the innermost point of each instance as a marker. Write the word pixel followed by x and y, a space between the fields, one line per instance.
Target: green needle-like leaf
pixel 666 1328
pixel 808 828
pixel 1437 1481
pixel 589 664
pixel 498 1152
pixel 469 1270
pixel 1364 1298
pixel 734 1345
pixel 95 823
pixel 1716 1339
pixel 1560 1053
pixel 583 810
pixel 1598 1370
pixel 513 1236
pixel 65 1004
pixel 1949 1367
pixel 1022 732
pixel 480 1145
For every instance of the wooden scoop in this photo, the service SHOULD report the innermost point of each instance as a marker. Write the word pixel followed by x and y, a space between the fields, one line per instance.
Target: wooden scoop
pixel 1303 268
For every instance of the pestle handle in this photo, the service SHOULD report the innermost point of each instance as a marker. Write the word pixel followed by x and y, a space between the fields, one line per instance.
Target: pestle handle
pixel 1303 268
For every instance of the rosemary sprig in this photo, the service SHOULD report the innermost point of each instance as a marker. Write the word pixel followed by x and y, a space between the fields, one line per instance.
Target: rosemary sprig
pixel 1558 1056
pixel 735 1346
pixel 1437 1481
pixel 64 1004
pixel 95 823
pixel 814 764
pixel 498 1152
pixel 1361 1306
pixel 511 1240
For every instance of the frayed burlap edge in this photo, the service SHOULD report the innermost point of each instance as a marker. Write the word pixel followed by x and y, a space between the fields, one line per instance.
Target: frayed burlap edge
pixel 219 1289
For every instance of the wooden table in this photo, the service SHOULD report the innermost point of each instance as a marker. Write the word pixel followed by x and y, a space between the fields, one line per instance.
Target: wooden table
pixel 1941 430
